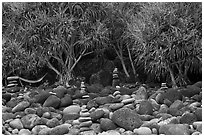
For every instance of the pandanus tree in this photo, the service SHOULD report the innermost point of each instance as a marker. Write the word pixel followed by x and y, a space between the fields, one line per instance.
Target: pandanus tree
pixel 168 39
pixel 60 34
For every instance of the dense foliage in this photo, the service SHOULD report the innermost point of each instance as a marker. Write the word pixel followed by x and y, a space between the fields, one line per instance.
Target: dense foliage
pixel 161 39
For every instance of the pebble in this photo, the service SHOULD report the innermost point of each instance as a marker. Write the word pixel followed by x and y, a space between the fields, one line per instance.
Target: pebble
pixel 38 128
pixel 127 101
pixel 116 106
pixel 16 123
pixel 73 109
pixel 30 111
pixel 142 131
pixel 21 106
pixel 24 132
pixel 15 131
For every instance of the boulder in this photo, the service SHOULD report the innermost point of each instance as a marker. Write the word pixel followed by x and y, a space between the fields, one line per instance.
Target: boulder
pixel 103 100
pixel 41 97
pixel 171 94
pixel 6 96
pixel 16 123
pixel 73 109
pixel 29 121
pixel 96 115
pixel 21 106
pixel 145 108
pixel 142 131
pixel 60 130
pixel 174 129
pixel 188 118
pixel 52 101
pixel 53 122
pixel 126 118
pixel 190 91
pixel 60 91
pixel 198 113
pixel 107 124
pixel 141 93
pixel 66 101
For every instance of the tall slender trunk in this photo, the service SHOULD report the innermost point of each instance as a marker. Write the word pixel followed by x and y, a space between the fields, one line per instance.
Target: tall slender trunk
pixel 172 79
pixel 124 67
pixel 130 57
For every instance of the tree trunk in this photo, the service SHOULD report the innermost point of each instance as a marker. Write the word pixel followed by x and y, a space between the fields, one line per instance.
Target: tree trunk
pixel 130 57
pixel 124 67
pixel 172 79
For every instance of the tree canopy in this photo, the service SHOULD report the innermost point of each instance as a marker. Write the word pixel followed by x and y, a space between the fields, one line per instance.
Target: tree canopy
pixel 161 39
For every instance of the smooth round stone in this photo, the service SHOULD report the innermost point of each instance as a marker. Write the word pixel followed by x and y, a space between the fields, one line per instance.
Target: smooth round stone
pixel 38 128
pixel 15 131
pixel 142 131
pixel 116 106
pixel 86 114
pixel 16 123
pixel 82 129
pixel 129 100
pixel 116 93
pixel 73 109
pixel 24 132
pixel 75 122
pixel 47 115
pixel 124 97
pixel 154 131
pixel 85 124
pixel 196 133
pixel 121 130
pixel 83 119
pixel 29 111
pixel 21 106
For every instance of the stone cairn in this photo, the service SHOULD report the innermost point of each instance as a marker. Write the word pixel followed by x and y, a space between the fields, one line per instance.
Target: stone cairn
pixel 83 91
pixel 12 82
pixel 116 80
pixel 84 119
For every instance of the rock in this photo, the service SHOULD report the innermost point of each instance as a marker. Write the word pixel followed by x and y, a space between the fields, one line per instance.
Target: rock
pixel 126 118
pixel 198 113
pixel 103 100
pixel 47 115
pixel 142 131
pixel 60 130
pixel 38 128
pixel 52 101
pixel 41 121
pixel 29 121
pixel 24 132
pixel 116 106
pixel 60 91
pixel 45 131
pixel 105 92
pixel 155 105
pixel 6 96
pixel 112 132
pixel 188 118
pixel 21 106
pixel 141 93
pixel 146 117
pixel 90 132
pixel 107 124
pixel 154 131
pixel 94 88
pixel 171 94
pixel 91 104
pixel 126 91
pixel 15 131
pixel 151 124
pixel 73 131
pixel 163 116
pixel 73 109
pixel 13 89
pixel 128 133
pixel 66 101
pixel 145 108
pixel 175 107
pixel 167 102
pixel 53 122
pixel 190 91
pixel 16 123
pixel 96 128
pixel 30 111
pixel 85 124
pixel 67 117
pixel 6 116
pixel 41 97
pixel 174 129
pixel 196 133
pixel 198 126
pixel 198 84
pixel 41 110
pixel 127 101
pixel 172 120
pixel 96 115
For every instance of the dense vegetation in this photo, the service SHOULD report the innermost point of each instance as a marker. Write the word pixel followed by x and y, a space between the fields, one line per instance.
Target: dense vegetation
pixel 161 40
